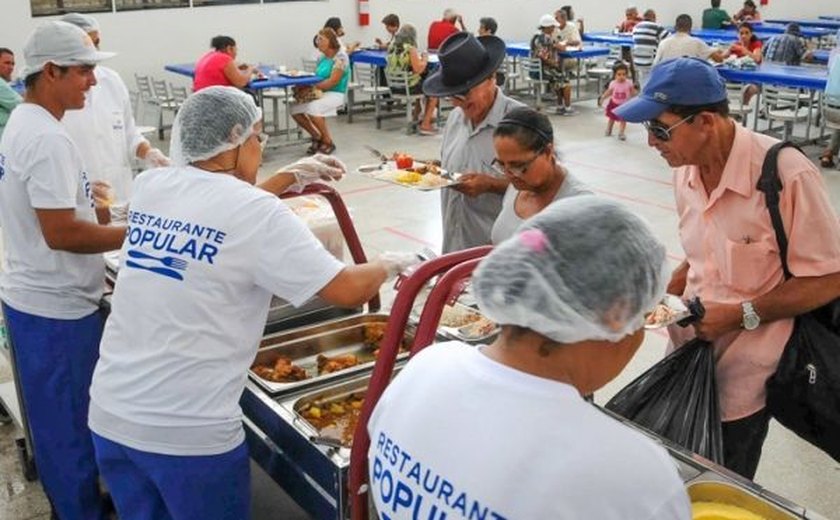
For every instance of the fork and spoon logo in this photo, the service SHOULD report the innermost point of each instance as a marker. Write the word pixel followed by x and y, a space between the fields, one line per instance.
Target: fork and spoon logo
pixel 170 266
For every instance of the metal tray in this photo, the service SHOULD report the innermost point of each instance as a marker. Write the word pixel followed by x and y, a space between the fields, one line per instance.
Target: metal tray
pixel 332 338
pixel 702 490
pixel 463 332
pixel 387 172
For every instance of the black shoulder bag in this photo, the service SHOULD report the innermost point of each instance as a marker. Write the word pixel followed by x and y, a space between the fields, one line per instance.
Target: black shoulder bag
pixel 804 393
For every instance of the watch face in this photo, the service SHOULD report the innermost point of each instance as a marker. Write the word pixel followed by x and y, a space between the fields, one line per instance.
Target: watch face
pixel 751 321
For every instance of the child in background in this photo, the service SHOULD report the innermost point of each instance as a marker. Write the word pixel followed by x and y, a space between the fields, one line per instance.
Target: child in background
pixel 619 91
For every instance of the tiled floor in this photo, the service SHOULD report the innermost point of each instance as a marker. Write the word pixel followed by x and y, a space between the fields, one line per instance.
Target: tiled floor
pixel 393 218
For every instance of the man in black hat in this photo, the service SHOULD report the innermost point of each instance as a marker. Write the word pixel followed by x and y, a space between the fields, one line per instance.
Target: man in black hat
pixel 467 76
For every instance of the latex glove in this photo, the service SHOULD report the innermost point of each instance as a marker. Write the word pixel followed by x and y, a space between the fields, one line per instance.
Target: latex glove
pixel 395 262
pixel 102 193
pixel 154 158
pixel 319 167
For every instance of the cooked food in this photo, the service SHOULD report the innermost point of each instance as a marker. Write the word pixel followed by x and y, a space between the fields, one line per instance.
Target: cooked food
pixel 425 168
pixel 408 177
pixel 431 180
pixel 328 365
pixel 282 371
pixel 335 418
pixel 661 315
pixel 458 316
pixel 719 511
pixel 480 328
pixel 374 332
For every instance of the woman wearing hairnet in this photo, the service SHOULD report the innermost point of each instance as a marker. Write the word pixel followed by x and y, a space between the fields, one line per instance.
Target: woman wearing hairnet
pixel 502 430
pixel 525 155
pixel 204 252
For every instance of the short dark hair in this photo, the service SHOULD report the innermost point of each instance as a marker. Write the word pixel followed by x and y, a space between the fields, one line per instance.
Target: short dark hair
pixel 720 108
pixel 334 23
pixel 30 80
pixel 683 23
pixel 620 65
pixel 568 10
pixel 4 50
pixel 748 25
pixel 221 43
pixel 391 19
pixel 749 3
pixel 715 3
pixel 489 24
pixel 531 129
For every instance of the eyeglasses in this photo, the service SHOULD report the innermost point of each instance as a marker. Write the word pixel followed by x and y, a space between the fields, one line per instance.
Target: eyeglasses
pixel 662 132
pixel 515 169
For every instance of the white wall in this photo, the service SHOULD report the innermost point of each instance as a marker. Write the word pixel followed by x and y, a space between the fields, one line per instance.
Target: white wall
pixel 282 32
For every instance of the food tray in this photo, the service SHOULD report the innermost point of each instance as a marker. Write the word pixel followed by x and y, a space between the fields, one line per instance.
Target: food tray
pixel 388 172
pixel 729 494
pixel 295 74
pixel 670 309
pixel 302 346
pixel 464 323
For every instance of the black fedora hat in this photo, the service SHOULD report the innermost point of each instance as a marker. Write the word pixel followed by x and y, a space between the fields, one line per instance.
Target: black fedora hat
pixel 465 61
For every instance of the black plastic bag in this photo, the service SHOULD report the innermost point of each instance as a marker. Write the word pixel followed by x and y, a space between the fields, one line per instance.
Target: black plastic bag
pixel 677 399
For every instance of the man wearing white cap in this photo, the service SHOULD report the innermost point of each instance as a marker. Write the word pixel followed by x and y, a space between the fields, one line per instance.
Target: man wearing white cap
pixel 53 274
pixel 546 47
pixel 104 130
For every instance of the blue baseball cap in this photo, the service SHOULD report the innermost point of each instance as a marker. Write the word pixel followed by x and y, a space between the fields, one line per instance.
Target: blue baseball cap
pixel 681 81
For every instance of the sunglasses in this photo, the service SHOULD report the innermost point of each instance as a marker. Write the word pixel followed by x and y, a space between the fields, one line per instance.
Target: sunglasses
pixel 662 132
pixel 515 169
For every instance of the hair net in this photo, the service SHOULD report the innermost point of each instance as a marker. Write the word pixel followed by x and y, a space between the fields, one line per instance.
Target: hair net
pixel 212 121
pixel 582 269
pixel 82 21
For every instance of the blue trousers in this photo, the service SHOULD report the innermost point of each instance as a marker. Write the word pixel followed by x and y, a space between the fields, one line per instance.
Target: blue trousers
pixel 150 486
pixel 55 360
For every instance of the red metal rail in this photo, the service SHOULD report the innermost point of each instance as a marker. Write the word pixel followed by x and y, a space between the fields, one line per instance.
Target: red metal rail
pixel 457 266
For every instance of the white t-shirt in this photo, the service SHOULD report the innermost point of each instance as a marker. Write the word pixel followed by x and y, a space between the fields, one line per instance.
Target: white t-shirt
pixel 185 325
pixel 105 133
pixel 569 33
pixel 40 168
pixel 681 44
pixel 461 434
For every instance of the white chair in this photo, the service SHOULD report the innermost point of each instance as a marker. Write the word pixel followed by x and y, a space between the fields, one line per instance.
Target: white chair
pixel 785 105
pixel 532 74
pixel 398 84
pixel 309 64
pixel 367 88
pixel 736 92
pixel 602 71
pixel 830 114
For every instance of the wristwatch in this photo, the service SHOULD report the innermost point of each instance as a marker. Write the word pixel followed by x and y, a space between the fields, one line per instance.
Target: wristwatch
pixel 750 320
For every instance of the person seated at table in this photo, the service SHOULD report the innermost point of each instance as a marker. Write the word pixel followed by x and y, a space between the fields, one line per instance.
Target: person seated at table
pixel 323 99
pixel 404 58
pixel 682 43
pixel 647 36
pixel 748 13
pixel 749 45
pixel 334 23
pixel 392 25
pixel 526 156
pixel 570 16
pixel 487 26
pixel 715 17
pixel 218 67
pixel 788 48
pixel 546 48
pixel 440 30
pixel 570 290
pixel 631 18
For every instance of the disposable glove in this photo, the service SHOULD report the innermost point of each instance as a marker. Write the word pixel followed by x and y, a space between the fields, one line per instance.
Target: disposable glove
pixel 102 193
pixel 154 158
pixel 396 262
pixel 319 167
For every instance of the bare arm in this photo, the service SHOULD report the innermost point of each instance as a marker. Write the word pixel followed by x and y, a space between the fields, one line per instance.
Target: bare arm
pixel 277 183
pixel 679 278
pixel 64 232
pixel 419 62
pixel 237 79
pixel 354 285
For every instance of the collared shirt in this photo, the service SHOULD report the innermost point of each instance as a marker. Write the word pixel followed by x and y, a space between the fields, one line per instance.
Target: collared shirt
pixel 467 221
pixel 714 18
pixel 439 30
pixel 733 255
pixel 785 48
pixel 9 99
pixel 681 44
pixel 646 38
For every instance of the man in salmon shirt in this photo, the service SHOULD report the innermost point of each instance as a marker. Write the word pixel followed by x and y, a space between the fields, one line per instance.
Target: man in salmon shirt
pixel 218 66
pixel 732 257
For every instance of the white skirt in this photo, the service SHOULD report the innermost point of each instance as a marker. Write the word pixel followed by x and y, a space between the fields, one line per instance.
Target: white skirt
pixel 325 106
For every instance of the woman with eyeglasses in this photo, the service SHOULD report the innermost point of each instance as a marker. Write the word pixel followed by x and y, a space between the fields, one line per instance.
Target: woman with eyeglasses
pixel 204 252
pixel 525 154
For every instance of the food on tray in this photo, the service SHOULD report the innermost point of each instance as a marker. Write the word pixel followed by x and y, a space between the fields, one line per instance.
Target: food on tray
pixel 403 160
pixel 328 365
pixel 431 180
pixel 335 418
pixel 661 315
pixel 458 316
pixel 374 332
pixel 480 328
pixel 719 511
pixel 408 177
pixel 282 371
pixel 425 167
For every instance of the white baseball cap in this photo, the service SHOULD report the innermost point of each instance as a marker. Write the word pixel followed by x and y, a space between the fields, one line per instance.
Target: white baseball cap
pixel 547 20
pixel 60 43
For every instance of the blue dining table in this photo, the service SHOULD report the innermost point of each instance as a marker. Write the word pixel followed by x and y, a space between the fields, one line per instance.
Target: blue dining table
pixel 829 17
pixel 831 25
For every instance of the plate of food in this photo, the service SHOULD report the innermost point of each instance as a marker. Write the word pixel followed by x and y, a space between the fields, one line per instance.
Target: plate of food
pixel 669 310
pixel 466 323
pixel 423 176
pixel 295 73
